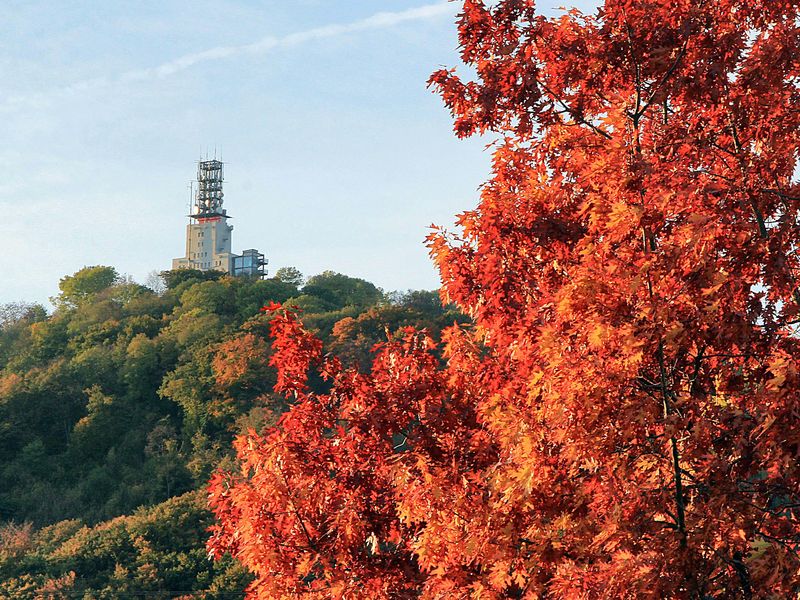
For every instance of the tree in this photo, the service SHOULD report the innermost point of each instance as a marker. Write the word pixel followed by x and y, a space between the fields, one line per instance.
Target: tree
pixel 251 295
pixel 320 508
pixel 353 338
pixel 174 278
pixel 154 553
pixel 155 281
pixel 12 313
pixel 240 364
pixel 85 284
pixel 622 420
pixel 290 275
pixel 339 291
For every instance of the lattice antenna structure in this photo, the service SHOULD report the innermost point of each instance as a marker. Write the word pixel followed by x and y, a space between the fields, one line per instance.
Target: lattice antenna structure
pixel 208 199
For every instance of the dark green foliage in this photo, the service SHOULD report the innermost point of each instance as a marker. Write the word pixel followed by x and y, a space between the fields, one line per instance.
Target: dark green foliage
pixel 124 398
pixel 290 275
pixel 79 392
pixel 337 291
pixel 173 279
pixel 254 294
pixel 156 553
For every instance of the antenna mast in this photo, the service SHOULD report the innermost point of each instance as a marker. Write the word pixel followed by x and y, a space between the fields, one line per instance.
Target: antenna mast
pixel 208 198
pixel 190 186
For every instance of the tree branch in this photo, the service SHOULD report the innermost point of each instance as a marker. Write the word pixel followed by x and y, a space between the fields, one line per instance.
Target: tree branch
pixel 577 117
pixel 676 466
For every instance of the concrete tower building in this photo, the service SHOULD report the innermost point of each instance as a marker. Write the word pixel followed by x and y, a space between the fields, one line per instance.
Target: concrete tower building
pixel 208 235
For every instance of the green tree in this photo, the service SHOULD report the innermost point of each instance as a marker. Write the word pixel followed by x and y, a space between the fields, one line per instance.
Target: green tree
pixel 141 371
pixel 338 290
pixel 290 275
pixel 211 296
pixel 175 277
pixel 252 295
pixel 85 284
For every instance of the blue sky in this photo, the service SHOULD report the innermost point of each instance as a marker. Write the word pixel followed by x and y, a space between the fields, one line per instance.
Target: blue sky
pixel 337 156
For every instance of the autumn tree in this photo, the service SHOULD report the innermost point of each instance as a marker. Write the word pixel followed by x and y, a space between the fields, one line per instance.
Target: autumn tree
pixel 352 338
pixel 318 495
pixel 622 421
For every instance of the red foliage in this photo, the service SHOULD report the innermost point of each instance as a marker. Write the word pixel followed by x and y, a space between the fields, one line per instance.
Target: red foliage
pixel 623 419
pixel 239 360
pixel 317 505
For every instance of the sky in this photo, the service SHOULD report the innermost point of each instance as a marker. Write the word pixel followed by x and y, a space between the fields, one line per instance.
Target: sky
pixel 337 155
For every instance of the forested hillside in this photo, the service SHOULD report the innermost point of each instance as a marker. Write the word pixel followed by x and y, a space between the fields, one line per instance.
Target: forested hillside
pixel 126 398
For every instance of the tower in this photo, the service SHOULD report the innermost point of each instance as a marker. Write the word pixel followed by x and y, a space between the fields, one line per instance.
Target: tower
pixel 208 235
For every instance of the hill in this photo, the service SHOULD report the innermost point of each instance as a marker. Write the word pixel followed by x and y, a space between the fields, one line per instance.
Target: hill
pixel 126 398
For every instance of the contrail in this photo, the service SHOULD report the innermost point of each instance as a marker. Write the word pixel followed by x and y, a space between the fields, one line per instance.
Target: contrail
pixel 377 21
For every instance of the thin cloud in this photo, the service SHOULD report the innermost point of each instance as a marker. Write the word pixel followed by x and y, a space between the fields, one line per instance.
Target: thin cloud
pixel 379 20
